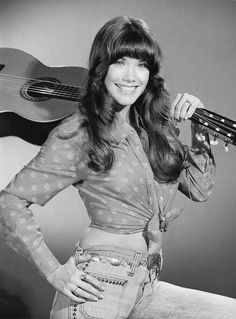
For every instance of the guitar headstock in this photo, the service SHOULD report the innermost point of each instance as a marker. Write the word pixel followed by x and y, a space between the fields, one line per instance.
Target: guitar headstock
pixel 216 125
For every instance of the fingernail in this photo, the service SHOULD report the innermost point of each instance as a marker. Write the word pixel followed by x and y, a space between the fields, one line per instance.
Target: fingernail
pixel 100 296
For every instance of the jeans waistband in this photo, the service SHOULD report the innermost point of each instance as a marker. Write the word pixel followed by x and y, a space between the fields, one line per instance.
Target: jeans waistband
pixel 120 256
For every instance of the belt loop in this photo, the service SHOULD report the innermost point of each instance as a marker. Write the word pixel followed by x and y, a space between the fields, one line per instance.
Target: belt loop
pixel 78 251
pixel 135 263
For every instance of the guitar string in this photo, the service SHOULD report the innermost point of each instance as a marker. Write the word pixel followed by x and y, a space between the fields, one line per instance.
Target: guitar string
pixel 208 120
pixel 67 86
pixel 45 90
pixel 25 80
pixel 215 116
pixel 48 91
pixel 65 92
pixel 224 130
pixel 221 132
pixel 217 120
pixel 73 97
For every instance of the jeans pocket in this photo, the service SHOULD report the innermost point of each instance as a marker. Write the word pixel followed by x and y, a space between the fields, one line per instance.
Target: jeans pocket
pixel 114 282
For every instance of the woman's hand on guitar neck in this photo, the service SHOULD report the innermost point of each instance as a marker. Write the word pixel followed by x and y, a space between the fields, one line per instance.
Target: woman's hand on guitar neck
pixel 183 106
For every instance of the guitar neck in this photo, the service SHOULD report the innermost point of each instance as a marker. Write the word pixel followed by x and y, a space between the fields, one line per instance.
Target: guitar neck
pixel 216 125
pixel 65 92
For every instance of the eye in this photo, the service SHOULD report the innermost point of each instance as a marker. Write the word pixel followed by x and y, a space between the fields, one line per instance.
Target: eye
pixel 119 62
pixel 143 64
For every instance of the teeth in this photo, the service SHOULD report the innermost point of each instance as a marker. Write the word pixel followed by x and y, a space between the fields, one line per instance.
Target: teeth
pixel 127 89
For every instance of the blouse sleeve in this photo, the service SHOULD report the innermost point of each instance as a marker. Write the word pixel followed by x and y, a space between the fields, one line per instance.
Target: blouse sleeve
pixel 197 178
pixel 53 169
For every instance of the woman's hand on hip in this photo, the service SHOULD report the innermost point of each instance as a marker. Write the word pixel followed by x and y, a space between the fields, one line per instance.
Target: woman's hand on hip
pixel 183 106
pixel 74 283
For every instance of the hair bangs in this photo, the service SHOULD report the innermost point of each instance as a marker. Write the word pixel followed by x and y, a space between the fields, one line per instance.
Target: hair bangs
pixel 135 45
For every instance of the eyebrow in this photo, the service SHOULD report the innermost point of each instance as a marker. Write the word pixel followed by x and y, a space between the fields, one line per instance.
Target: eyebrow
pixel 128 57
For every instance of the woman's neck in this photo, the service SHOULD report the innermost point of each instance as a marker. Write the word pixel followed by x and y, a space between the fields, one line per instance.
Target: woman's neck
pixel 124 113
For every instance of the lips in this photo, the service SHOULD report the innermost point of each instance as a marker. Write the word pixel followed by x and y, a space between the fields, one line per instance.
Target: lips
pixel 127 88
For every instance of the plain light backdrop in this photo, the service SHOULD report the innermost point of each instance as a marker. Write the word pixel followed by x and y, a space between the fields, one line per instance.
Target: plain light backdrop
pixel 198 39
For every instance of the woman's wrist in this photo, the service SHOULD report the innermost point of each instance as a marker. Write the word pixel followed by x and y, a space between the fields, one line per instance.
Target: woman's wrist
pixel 44 260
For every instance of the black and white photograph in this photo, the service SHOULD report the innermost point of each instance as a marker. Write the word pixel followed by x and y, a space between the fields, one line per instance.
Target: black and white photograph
pixel 117 159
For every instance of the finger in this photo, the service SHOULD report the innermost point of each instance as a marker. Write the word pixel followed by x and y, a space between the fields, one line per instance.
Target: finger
pixel 184 109
pixel 88 288
pixel 94 282
pixel 176 100
pixel 179 105
pixel 84 291
pixel 89 281
pixel 74 297
pixel 78 259
pixel 196 104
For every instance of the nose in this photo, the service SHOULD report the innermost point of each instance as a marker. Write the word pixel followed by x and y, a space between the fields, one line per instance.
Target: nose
pixel 129 74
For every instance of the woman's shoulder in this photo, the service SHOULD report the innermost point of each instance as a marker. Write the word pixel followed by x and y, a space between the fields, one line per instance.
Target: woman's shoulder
pixel 73 127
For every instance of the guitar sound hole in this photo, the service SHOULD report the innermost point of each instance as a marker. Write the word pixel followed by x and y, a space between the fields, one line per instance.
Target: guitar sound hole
pixel 40 89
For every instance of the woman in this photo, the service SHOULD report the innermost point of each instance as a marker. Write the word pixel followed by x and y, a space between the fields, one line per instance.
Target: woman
pixel 122 152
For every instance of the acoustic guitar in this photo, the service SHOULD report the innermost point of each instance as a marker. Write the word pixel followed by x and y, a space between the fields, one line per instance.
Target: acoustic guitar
pixel 34 98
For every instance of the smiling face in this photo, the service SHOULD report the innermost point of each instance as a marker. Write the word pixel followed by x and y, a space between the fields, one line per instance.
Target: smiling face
pixel 126 80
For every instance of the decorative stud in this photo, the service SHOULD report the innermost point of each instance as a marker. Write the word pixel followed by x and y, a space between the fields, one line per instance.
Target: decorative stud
pixel 226 147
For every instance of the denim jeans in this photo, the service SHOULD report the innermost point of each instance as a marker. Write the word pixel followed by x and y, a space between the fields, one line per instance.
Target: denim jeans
pixel 132 291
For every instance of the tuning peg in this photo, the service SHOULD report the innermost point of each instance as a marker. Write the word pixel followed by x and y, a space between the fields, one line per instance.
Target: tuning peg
pixel 226 147
pixel 214 141
pixel 200 137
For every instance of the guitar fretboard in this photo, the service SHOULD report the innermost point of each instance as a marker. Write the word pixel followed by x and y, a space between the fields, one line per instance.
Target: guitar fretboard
pixel 67 92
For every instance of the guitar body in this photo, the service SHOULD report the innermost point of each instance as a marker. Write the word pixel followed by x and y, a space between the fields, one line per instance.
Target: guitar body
pixel 35 97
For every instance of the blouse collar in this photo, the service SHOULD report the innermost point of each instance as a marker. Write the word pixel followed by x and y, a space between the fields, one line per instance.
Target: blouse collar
pixel 120 130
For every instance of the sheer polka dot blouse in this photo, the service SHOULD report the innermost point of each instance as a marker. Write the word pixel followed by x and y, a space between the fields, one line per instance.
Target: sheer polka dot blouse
pixel 122 201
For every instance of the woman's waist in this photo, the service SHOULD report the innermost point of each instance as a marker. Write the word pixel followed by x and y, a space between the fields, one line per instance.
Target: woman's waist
pixel 96 236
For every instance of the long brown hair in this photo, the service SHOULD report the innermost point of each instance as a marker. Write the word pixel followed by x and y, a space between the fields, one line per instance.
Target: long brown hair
pixel 149 115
